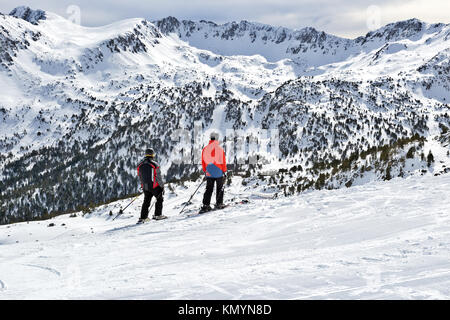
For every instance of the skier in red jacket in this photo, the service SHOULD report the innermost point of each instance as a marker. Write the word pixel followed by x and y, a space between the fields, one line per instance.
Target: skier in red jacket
pixel 214 166
pixel 152 185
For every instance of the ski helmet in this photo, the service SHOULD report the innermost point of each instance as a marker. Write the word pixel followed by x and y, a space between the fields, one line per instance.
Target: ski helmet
pixel 214 136
pixel 150 153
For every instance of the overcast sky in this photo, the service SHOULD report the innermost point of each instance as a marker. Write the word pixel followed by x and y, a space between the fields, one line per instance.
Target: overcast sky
pixel 347 18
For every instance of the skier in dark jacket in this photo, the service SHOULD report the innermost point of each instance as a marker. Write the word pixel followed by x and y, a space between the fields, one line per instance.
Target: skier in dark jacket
pixel 214 166
pixel 152 185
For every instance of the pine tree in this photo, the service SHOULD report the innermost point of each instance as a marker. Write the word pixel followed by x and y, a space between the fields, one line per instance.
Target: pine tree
pixel 430 158
pixel 410 153
pixel 388 173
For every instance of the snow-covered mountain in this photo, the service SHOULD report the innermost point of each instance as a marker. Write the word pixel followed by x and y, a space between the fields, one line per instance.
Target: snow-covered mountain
pixel 79 105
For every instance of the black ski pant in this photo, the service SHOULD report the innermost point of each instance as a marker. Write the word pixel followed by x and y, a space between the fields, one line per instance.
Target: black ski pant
pixel 210 188
pixel 148 195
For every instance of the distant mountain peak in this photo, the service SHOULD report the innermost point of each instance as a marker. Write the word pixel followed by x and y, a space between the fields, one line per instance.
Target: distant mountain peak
pixel 168 25
pixel 413 25
pixel 396 30
pixel 28 14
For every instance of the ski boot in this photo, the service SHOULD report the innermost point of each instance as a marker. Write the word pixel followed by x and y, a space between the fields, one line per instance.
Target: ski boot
pixel 219 206
pixel 160 217
pixel 143 220
pixel 205 209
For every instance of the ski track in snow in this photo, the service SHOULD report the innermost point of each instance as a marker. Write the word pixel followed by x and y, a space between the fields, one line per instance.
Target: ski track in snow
pixel 49 269
pixel 386 240
pixel 376 287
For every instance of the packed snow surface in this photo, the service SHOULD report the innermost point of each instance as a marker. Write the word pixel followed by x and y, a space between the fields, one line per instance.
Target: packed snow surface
pixel 385 240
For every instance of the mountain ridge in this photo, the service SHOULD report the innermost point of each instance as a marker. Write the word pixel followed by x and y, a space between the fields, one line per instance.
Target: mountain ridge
pixel 170 24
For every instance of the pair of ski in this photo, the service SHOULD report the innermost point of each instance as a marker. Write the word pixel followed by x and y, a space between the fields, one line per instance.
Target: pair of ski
pixel 201 212
pixel 193 214
pixel 157 218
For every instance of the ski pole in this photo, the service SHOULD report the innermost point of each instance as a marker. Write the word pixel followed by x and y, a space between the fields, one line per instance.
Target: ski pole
pixel 122 210
pixel 192 196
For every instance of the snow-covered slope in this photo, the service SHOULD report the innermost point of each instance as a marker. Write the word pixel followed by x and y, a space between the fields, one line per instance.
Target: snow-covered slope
pixel 79 105
pixel 385 240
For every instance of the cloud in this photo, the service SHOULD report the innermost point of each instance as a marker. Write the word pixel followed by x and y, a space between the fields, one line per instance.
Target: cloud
pixel 345 18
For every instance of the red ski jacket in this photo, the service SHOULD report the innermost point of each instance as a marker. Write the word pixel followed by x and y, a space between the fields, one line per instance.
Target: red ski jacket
pixel 214 163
